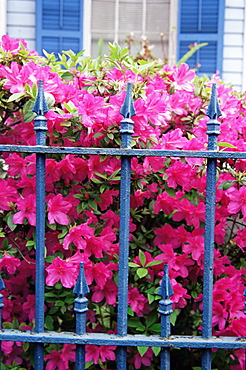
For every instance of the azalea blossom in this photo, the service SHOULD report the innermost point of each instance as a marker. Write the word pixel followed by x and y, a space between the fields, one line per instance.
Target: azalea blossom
pixel 57 210
pixel 27 209
pixel 61 270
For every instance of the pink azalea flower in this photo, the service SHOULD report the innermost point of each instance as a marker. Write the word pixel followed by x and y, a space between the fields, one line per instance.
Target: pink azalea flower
pixel 10 263
pixel 240 239
pixel 145 360
pixel 136 300
pixel 9 44
pixel 29 306
pixel 165 203
pixel 182 77
pixel 109 292
pixel 180 295
pixel 107 199
pixel 57 210
pixel 107 353
pixel 75 236
pixel 68 354
pixel 27 207
pixel 238 201
pixel 66 169
pixel 55 361
pixel 16 164
pixel 63 271
pixel 195 246
pixel 7 194
pixel 173 140
pixel 28 184
pixel 179 173
pixel 220 315
pixel 92 353
pixel 100 273
pixel 165 235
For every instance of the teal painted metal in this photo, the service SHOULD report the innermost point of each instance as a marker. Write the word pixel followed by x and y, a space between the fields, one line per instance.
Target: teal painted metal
pixel 122 340
pixel 213 113
pixel 80 307
pixel 165 309
pixel 126 130
pixel 40 126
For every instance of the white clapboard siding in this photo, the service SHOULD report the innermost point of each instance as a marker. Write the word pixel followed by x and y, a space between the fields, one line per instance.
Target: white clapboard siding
pixel 21 20
pixel 233 55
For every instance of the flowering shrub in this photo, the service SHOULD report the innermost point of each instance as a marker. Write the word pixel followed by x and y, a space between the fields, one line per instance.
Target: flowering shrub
pixel 167 203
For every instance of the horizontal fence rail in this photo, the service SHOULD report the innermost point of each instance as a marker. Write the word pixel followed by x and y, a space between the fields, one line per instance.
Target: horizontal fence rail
pixel 122 339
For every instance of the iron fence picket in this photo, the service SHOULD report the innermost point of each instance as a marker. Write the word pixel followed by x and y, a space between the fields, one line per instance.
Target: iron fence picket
pixel 122 339
pixel 40 126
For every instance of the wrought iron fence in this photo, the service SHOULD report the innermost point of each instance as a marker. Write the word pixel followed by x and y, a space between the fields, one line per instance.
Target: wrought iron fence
pixel 122 339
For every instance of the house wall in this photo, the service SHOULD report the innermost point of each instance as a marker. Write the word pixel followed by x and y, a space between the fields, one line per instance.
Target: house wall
pixel 21 20
pixel 234 49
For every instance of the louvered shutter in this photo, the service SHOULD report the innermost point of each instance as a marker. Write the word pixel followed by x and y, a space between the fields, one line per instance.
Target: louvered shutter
pixel 202 21
pixel 59 25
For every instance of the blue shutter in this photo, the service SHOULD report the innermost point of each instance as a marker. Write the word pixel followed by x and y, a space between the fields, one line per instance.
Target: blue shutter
pixel 202 21
pixel 59 25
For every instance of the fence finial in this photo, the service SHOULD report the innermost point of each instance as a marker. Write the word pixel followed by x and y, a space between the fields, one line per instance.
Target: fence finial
pixel 213 125
pixel 166 291
pixel 127 109
pixel 81 287
pixel 40 106
pixel 213 111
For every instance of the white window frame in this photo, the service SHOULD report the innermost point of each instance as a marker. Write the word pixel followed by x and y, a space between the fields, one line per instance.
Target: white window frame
pixel 173 21
pixel 3 17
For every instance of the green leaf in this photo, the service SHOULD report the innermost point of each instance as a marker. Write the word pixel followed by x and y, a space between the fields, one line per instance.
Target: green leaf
pixel 151 298
pixel 67 76
pixel 142 350
pixel 170 191
pixel 156 350
pixel 98 134
pixel 194 294
pixel 25 346
pixel 30 242
pixel 29 117
pixel 173 317
pixel 226 185
pixel 156 328
pixel 34 90
pixel 141 272
pixel 96 181
pixel 92 204
pixel 130 312
pixel 16 97
pixel 132 264
pixel 227 145
pixel 9 220
pixel 142 257
pixel 49 322
pixel 154 263
pixel 190 53
pixel 59 303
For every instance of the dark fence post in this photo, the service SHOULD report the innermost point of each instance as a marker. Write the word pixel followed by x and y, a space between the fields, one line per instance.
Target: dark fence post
pixel 81 306
pixel 213 131
pixel 40 126
pixel 165 309
pixel 126 130
pixel 2 286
